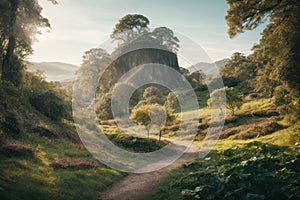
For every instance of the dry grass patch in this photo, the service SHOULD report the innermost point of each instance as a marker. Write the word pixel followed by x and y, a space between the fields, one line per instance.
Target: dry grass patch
pixel 76 163
pixel 18 150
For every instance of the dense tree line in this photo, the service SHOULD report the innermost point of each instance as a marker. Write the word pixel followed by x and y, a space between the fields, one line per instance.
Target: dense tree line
pixel 275 60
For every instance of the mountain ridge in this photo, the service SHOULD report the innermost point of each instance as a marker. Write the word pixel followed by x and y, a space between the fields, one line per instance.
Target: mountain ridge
pixel 54 71
pixel 208 67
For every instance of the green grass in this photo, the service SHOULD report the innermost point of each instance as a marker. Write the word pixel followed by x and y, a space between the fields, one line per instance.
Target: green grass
pixel 131 143
pixel 265 167
pixel 24 177
pixel 32 177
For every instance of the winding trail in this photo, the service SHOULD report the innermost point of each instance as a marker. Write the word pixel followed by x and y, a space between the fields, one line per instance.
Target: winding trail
pixel 135 186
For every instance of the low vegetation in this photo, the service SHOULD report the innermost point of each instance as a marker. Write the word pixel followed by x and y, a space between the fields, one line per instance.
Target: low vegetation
pixel 252 171
pixel 40 152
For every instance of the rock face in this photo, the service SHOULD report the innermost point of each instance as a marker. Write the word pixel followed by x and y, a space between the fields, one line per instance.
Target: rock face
pixel 130 60
pixel 145 56
pixel 142 57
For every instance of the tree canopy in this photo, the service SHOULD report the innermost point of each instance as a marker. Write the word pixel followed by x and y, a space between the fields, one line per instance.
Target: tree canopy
pixel 165 37
pixel 20 21
pixel 129 27
pixel 279 47
pixel 133 28
pixel 234 99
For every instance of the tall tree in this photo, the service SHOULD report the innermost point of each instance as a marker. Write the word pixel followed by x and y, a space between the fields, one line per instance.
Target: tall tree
pixel 133 29
pixel 95 62
pixel 153 95
pixel 129 27
pixel 165 37
pixel 19 23
pixel 239 66
pixel 234 99
pixel 279 45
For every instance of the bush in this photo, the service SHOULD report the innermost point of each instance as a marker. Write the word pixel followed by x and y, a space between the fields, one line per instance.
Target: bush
pixel 18 150
pixel 49 104
pixel 10 125
pixel 253 171
pixel 76 163
pixel 134 144
pixel 261 129
pixel 44 132
pixel 104 111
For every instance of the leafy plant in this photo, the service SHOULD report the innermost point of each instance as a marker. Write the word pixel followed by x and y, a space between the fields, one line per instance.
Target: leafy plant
pixel 49 104
pixel 253 171
pixel 11 126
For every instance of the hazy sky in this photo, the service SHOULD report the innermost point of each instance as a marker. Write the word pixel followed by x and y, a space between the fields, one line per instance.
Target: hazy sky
pixel 79 25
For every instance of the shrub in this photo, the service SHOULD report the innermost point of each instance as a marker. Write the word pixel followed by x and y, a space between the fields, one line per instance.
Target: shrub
pixel 76 163
pixel 261 129
pixel 18 150
pixel 253 171
pixel 104 111
pixel 267 113
pixel 252 96
pixel 44 132
pixel 49 104
pixel 10 125
pixel 229 132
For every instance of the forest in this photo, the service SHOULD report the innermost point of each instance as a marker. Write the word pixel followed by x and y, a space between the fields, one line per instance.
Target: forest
pixel 49 129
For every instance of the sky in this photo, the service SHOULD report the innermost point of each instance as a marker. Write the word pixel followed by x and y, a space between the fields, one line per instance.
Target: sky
pixel 77 26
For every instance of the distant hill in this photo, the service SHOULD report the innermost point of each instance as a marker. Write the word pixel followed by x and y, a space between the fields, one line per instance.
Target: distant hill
pixel 55 71
pixel 208 68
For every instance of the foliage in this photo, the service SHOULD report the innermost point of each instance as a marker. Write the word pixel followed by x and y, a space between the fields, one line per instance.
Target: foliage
pixel 153 95
pixel 278 50
pixel 34 81
pixel 42 131
pixel 95 62
pixel 233 98
pixel 239 69
pixel 152 116
pixel 49 104
pixel 20 21
pixel 252 171
pixel 11 125
pixel 104 111
pixel 196 80
pixel 18 150
pixel 129 27
pixel 165 37
pixel 172 104
pixel 288 103
pixel 141 115
pixel 134 144
pixel 133 29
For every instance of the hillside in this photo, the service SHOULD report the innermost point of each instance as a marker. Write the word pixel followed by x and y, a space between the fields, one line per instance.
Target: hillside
pixel 40 152
pixel 204 66
pixel 256 157
pixel 55 71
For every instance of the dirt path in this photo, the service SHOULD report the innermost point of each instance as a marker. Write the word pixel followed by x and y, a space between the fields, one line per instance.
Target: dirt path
pixel 135 186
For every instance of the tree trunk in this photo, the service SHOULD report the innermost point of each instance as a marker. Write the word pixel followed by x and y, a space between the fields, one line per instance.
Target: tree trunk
pixel 159 136
pixel 8 69
pixel 148 140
